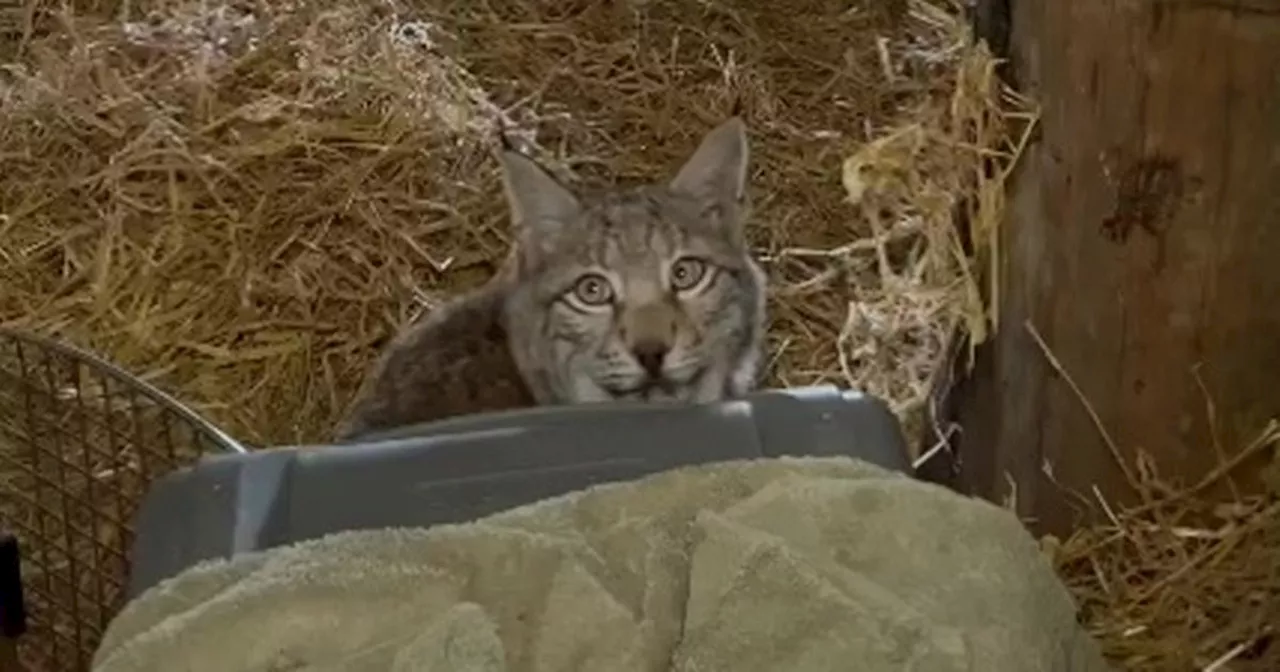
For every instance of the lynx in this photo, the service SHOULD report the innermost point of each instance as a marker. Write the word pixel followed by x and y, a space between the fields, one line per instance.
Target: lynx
pixel 453 361
pixel 641 293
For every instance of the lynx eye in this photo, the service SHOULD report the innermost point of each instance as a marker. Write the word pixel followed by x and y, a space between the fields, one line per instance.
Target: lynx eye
pixel 593 290
pixel 687 272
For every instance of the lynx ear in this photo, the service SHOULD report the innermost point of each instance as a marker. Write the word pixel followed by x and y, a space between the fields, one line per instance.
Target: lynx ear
pixel 717 171
pixel 539 204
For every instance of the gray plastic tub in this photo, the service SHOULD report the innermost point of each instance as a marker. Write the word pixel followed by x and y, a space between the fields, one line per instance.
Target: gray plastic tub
pixel 465 468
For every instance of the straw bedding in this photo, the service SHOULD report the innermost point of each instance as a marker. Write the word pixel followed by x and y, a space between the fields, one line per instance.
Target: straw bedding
pixel 246 201
pixel 242 202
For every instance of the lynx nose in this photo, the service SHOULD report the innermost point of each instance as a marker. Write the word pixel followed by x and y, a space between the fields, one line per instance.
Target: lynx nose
pixel 650 355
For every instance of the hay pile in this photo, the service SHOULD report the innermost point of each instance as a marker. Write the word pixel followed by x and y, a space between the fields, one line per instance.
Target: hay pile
pixel 242 202
pixel 1180 582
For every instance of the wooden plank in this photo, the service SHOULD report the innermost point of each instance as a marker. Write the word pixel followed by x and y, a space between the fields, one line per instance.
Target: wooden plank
pixel 1143 246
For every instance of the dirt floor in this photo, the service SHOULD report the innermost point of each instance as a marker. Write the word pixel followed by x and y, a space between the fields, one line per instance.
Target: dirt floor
pixel 241 203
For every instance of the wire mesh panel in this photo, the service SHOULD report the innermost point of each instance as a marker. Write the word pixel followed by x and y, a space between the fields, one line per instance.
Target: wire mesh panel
pixel 80 441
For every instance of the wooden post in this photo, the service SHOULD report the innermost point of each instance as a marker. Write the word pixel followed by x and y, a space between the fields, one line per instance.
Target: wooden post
pixel 1142 248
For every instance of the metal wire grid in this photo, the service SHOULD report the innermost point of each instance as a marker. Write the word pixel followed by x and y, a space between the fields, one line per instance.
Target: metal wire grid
pixel 80 441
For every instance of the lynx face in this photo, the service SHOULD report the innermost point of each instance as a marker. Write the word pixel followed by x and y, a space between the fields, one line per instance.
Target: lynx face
pixel 646 293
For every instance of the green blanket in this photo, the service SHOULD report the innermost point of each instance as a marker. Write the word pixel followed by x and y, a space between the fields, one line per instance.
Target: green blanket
pixel 791 564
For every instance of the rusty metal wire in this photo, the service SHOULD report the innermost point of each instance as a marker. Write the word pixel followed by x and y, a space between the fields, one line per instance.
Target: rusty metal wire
pixel 80 441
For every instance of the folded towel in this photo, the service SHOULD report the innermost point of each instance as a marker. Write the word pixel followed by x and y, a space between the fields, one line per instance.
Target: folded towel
pixel 787 564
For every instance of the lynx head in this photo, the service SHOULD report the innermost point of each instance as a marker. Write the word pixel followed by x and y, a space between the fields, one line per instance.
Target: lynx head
pixel 644 293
